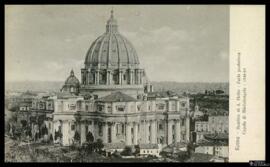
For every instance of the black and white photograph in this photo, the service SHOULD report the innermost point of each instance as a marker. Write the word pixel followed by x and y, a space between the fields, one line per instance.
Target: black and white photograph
pixel 117 83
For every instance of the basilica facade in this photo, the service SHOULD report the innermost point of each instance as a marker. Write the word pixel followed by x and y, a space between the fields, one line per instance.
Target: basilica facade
pixel 115 102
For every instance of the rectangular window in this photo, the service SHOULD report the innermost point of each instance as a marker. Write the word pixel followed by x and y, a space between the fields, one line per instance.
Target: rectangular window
pixel 183 104
pixel 160 127
pixel 100 107
pixel 123 128
pixel 86 128
pixel 100 130
pixel 72 107
pixel 161 106
pixel 182 122
pixel 120 108
pixel 72 127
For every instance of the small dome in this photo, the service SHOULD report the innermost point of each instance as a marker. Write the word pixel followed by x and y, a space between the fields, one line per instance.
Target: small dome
pixel 72 80
pixel 111 49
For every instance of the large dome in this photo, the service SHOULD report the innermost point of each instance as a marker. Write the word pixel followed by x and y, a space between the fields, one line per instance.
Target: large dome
pixel 111 49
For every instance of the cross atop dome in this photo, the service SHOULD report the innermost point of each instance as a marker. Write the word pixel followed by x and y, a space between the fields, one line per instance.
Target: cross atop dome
pixel 111 26
pixel 71 72
pixel 112 13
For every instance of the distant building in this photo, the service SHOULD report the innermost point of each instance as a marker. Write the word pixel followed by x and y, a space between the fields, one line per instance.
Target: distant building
pixel 201 128
pixel 111 148
pixel 218 124
pixel 149 149
pixel 217 148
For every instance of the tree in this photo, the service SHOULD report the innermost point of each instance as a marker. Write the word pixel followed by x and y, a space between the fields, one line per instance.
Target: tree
pixel 127 151
pixel 137 149
pixel 190 148
pixel 89 137
pixel 99 145
pixel 87 96
pixel 77 137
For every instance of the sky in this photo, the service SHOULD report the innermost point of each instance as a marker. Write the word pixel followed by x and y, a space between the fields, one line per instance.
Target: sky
pixel 182 43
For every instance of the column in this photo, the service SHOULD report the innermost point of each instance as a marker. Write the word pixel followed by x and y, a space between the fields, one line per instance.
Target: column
pixel 107 78
pixel 147 131
pixel 140 77
pixel 135 130
pixel 169 132
pixel 86 73
pixel 153 132
pixel 187 128
pixel 142 132
pixel 113 132
pixel 131 77
pixel 136 77
pixel 120 77
pixel 97 77
pixel 65 138
pixel 106 107
pixel 82 76
pixel 177 105
pixel 105 133
pixel 128 134
pixel 178 131
pixel 83 135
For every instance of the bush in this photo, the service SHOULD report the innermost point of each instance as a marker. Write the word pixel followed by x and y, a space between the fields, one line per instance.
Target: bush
pixel 127 151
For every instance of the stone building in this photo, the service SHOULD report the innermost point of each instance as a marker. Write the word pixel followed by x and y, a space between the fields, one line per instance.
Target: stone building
pixel 123 107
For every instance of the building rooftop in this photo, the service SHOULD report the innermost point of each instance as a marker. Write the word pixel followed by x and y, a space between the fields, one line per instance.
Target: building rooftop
pixel 117 97
pixel 148 146
pixel 162 94
pixel 199 157
pixel 216 136
pixel 205 142
pixel 65 95
pixel 120 145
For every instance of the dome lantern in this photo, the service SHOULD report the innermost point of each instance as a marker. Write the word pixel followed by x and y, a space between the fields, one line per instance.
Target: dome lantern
pixel 111 26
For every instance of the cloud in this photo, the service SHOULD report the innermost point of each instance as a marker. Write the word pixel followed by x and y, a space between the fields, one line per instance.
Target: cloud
pixel 223 55
pixel 54 66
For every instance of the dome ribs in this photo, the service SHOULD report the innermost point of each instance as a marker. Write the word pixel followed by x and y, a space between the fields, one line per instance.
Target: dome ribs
pixel 88 54
pixel 133 51
pixel 92 51
pixel 109 51
pixel 124 42
pixel 100 50
pixel 117 45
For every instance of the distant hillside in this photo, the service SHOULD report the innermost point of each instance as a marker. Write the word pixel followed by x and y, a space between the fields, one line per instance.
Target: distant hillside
pixel 193 87
pixel 34 86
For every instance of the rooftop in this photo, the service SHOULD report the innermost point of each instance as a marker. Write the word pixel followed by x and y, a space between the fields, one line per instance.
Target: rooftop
pixel 199 157
pixel 120 145
pixel 216 136
pixel 117 97
pixel 162 94
pixel 148 146
pixel 205 142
